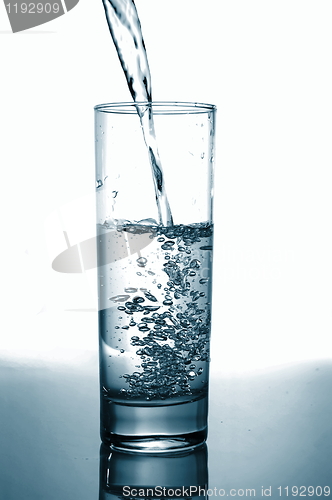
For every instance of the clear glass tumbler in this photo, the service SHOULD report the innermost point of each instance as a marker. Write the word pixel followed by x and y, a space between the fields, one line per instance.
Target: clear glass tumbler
pixel 154 279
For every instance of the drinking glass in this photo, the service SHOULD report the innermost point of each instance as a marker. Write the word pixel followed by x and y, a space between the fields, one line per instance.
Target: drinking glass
pixel 154 278
pixel 181 474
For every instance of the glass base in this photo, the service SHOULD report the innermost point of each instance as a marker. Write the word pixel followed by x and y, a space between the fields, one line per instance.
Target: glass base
pixel 154 428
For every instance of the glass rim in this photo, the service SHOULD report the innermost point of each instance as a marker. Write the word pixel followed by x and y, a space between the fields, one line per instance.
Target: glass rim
pixel 158 107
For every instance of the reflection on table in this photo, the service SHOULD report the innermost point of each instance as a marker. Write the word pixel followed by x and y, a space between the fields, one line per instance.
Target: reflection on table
pixel 147 475
pixel 267 430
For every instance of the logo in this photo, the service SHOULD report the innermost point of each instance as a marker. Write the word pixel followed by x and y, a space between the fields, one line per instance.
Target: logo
pixel 24 15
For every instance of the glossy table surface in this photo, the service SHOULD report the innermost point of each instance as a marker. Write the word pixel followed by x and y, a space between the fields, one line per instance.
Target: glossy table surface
pixel 270 430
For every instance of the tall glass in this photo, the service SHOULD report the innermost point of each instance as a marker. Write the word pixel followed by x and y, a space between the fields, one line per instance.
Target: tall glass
pixel 154 279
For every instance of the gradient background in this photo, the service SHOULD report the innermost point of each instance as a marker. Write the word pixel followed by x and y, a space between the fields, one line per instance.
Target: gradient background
pixel 267 67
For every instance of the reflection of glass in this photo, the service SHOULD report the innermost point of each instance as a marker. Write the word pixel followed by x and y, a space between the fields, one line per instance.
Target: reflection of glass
pixel 155 281
pixel 124 475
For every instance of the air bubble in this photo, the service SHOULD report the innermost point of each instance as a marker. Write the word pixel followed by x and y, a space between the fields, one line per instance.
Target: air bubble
pixel 158 336
pixel 151 308
pixel 143 328
pixel 195 295
pixel 168 245
pixel 138 300
pixel 141 261
pixel 195 264
pixel 149 296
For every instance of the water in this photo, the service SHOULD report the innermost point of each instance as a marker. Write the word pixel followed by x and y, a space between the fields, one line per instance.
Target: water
pixel 155 328
pixel 155 331
pixel 125 28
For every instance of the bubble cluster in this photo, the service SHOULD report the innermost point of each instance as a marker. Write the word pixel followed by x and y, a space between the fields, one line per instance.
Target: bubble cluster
pixel 170 332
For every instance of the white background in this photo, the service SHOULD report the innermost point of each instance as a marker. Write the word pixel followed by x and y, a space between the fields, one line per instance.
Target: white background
pixel 267 66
